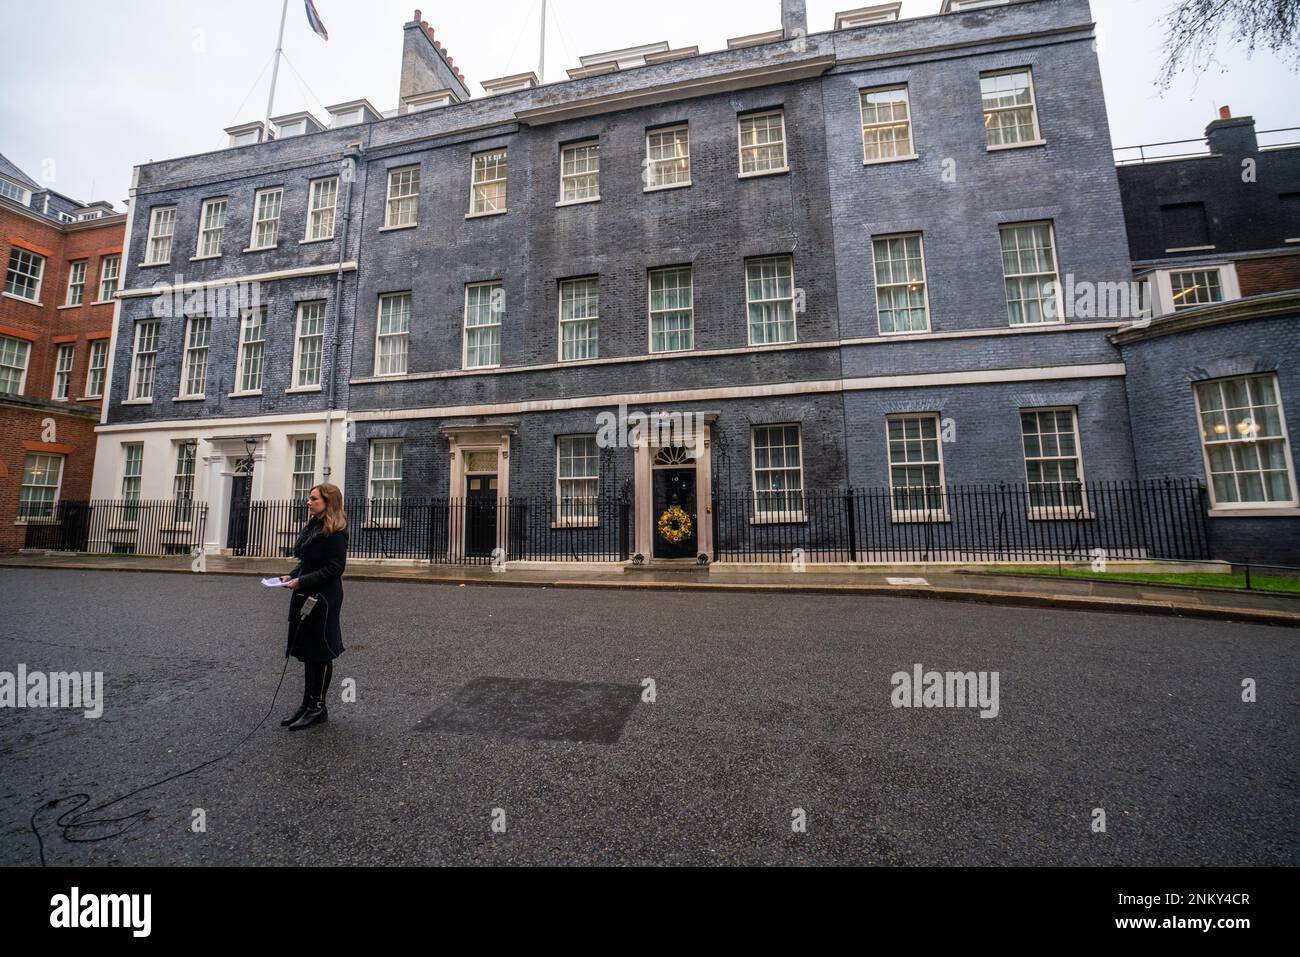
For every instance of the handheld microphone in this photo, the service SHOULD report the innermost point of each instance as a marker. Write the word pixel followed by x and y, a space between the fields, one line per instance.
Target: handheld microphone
pixel 307 606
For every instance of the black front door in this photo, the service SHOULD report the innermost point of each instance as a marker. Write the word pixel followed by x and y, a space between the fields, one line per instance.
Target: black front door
pixel 480 515
pixel 241 492
pixel 674 488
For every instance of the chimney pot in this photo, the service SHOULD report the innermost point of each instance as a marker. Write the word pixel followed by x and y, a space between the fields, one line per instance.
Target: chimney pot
pixel 1225 113
pixel 417 16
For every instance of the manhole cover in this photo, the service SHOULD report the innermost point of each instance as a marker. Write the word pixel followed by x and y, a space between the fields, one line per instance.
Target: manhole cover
pixel 537 709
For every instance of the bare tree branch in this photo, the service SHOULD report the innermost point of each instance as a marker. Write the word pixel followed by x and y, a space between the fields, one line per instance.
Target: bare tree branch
pixel 1194 30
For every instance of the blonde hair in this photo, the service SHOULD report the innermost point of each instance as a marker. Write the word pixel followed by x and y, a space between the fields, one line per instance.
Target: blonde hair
pixel 334 518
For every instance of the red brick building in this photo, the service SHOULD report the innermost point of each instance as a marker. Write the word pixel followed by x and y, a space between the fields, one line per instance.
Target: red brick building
pixel 62 260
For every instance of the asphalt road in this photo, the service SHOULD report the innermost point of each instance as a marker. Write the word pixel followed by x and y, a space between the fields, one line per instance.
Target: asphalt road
pixel 764 704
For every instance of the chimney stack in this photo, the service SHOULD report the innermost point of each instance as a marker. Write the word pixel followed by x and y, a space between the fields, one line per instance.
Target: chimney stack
pixel 1232 135
pixel 426 65
pixel 794 19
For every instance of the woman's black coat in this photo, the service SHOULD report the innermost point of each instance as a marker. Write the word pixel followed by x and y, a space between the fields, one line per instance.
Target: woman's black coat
pixel 322 559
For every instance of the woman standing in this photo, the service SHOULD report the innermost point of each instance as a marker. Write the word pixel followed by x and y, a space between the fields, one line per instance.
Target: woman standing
pixel 322 553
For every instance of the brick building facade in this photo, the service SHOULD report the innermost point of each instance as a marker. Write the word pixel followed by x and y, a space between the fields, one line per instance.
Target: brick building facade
pixel 1214 380
pixel 843 252
pixel 56 318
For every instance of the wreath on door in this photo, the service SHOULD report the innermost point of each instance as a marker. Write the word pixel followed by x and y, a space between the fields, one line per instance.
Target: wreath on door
pixel 675 525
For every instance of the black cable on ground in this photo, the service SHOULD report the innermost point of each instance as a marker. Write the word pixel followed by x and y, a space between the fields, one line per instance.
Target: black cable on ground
pixel 70 819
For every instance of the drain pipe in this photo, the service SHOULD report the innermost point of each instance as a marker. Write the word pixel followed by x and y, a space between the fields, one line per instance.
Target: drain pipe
pixel 350 169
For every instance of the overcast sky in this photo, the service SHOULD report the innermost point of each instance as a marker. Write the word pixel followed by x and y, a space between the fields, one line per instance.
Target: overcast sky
pixel 92 88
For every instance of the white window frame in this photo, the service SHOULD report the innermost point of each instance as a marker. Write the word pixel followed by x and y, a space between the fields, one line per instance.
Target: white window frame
pixel 925 283
pixel 211 208
pixel 587 515
pixel 653 313
pixel 249 318
pixel 183 483
pixel 394 204
pixel 160 217
pixel 1056 274
pixel 259 199
pixel 24 348
pixel 19 194
pixel 595 340
pixel 881 125
pixel 652 183
pixel 130 515
pixel 1033 109
pixel 96 363
pixel 378 514
pixel 794 316
pixel 137 393
pixel 741 147
pixel 189 353
pixel 21 518
pixel 104 278
pixel 404 335
pixel 300 341
pixel 1283 437
pixel 568 180
pixel 1063 511
pixel 64 357
pixel 1162 281
pixel 475 184
pixel 762 515
pixel 926 514
pixel 295 470
pixel 491 284
pixel 317 214
pixel 34 261
pixel 76 282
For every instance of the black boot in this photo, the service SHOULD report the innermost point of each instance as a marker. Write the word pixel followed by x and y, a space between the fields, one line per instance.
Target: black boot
pixel 306 696
pixel 316 712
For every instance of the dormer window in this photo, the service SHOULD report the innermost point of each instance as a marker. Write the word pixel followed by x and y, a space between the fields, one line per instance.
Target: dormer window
pixel 350 113
pixel 11 190
pixel 246 134
pixel 867 16
pixel 429 101
pixel 956 6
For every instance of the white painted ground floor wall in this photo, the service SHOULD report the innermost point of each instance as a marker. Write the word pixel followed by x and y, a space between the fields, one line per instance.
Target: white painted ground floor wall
pixel 220 446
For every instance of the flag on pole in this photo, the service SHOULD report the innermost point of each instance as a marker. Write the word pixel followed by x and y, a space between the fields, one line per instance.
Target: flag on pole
pixel 313 18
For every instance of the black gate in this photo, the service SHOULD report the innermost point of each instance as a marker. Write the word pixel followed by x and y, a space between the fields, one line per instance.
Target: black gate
pixel 67 530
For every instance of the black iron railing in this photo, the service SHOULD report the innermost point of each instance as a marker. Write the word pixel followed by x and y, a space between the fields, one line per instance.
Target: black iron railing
pixel 966 523
pixel 459 531
pixel 121 527
pixel 1164 519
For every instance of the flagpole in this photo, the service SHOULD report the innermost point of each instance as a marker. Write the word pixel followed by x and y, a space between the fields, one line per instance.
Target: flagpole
pixel 541 53
pixel 275 69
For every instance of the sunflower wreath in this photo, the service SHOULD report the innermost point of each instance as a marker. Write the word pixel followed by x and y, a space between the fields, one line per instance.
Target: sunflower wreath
pixel 674 525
